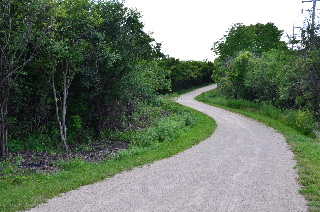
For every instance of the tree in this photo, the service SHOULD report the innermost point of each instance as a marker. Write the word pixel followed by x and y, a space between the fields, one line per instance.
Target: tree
pixel 235 51
pixel 309 63
pixel 309 80
pixel 116 49
pixel 269 78
pixel 237 73
pixel 20 37
pixel 93 58
pixel 254 38
pixel 71 21
pixel 231 75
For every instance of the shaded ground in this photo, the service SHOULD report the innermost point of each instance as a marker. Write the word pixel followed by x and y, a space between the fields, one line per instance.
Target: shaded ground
pixel 94 152
pixel 44 161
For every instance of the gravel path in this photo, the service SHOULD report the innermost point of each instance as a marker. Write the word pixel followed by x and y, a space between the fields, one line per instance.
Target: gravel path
pixel 244 166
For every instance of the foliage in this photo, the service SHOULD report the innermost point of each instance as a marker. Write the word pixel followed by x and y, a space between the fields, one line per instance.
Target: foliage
pixel 84 66
pixel 269 77
pixel 230 75
pixel 185 74
pixel 237 72
pixel 166 130
pixel 80 68
pixel 256 38
pixel 21 29
pixel 288 79
pixel 236 67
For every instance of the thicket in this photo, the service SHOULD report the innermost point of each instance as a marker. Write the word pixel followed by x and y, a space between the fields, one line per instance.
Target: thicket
pixel 260 68
pixel 73 70
pixel 186 74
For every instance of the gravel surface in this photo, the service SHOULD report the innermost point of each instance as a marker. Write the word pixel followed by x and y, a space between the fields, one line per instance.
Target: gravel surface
pixel 244 166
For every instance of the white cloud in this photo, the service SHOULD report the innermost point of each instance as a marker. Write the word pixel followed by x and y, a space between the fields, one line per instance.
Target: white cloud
pixel 188 28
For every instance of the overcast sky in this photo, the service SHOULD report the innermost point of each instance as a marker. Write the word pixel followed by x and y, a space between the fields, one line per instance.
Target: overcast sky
pixel 187 29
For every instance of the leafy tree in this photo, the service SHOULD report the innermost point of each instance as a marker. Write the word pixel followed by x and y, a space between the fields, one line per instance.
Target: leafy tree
pixel 236 75
pixel 309 63
pixel 232 74
pixel 116 50
pixel 308 82
pixel 71 21
pixel 236 49
pixel 21 32
pixel 256 38
pixel 269 77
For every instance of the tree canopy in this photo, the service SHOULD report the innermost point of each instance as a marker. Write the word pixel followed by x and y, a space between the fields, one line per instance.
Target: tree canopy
pixel 256 38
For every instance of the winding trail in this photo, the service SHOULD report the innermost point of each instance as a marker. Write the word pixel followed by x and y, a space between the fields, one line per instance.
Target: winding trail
pixel 243 167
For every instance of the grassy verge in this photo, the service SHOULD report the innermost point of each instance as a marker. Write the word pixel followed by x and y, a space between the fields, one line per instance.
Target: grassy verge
pixel 295 125
pixel 37 188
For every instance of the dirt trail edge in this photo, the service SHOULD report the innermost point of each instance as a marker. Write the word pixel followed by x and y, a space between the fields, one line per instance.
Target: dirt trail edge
pixel 244 166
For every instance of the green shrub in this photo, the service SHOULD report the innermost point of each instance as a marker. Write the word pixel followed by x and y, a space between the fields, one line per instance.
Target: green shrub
pixel 270 111
pixel 305 121
pixel 164 130
pixel 169 129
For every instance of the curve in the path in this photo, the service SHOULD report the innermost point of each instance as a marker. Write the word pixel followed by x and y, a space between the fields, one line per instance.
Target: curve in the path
pixel 244 166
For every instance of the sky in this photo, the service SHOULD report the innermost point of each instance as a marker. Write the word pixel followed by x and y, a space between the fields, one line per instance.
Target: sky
pixel 187 29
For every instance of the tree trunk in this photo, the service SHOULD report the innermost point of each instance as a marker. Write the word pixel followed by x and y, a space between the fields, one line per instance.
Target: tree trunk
pixel 4 95
pixel 62 124
pixel 64 112
pixel 61 118
pixel 2 133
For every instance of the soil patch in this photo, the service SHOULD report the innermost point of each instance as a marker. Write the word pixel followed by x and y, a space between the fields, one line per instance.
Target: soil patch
pixel 44 161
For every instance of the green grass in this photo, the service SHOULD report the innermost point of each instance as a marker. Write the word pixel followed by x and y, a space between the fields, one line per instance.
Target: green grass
pixel 28 192
pixel 295 126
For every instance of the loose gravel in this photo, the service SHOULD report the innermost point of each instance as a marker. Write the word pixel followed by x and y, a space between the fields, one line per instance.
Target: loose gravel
pixel 244 166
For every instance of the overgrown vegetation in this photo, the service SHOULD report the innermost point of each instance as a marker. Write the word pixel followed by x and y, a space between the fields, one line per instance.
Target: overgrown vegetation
pixel 186 74
pixel 82 69
pixel 258 70
pixel 72 70
pixel 299 130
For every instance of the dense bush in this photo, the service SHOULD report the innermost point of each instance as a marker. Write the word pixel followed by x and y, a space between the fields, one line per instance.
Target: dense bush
pixel 186 74
pixel 271 74
pixel 79 67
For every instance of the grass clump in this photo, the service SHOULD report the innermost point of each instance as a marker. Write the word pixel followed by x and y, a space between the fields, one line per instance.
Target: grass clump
pixel 299 129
